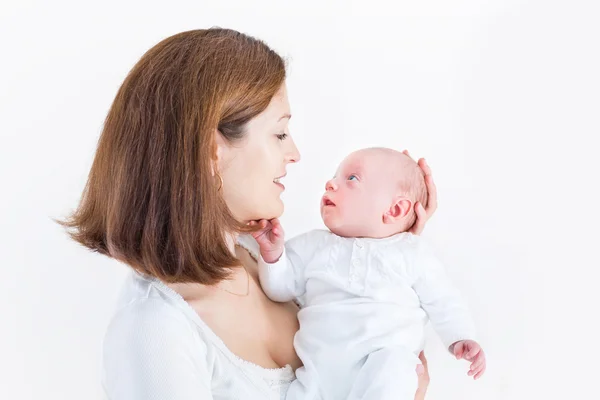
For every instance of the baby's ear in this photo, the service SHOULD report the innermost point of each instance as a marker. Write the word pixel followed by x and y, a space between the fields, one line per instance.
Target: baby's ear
pixel 399 209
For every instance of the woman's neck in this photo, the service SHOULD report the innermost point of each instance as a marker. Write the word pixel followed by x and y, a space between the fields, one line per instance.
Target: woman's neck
pixel 236 284
pixel 231 241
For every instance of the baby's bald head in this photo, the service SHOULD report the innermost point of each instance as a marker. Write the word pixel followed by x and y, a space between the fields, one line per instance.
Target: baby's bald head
pixel 373 194
pixel 402 172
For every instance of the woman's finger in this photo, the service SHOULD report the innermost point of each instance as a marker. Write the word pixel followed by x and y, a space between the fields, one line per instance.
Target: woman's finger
pixel 423 359
pixel 424 166
pixel 432 200
pixel 423 373
pixel 419 224
pixel 421 212
pixel 420 369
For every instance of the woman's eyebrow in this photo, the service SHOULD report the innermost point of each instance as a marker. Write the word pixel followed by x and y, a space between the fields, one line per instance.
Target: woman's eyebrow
pixel 288 116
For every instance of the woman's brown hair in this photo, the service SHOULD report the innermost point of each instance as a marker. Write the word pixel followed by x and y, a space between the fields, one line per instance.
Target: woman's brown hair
pixel 152 199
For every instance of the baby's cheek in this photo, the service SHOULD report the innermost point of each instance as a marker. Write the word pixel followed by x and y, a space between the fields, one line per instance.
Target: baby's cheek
pixel 363 208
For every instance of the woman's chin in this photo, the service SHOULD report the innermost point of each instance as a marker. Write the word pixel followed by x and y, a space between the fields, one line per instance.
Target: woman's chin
pixel 274 210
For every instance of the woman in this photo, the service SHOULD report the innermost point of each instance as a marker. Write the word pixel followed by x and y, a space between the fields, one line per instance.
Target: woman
pixel 192 150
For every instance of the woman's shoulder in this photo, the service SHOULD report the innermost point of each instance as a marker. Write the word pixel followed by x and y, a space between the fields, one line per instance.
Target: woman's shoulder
pixel 151 349
pixel 145 315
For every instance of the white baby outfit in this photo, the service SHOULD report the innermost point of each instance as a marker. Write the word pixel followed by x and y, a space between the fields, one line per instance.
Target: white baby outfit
pixel 365 303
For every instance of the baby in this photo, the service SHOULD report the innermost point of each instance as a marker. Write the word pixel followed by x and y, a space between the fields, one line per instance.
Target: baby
pixel 366 286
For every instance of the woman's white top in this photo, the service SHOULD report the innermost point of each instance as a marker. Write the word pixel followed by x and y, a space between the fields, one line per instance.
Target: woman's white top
pixel 157 348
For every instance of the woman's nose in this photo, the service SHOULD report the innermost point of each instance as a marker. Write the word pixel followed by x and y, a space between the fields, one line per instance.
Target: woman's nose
pixel 293 154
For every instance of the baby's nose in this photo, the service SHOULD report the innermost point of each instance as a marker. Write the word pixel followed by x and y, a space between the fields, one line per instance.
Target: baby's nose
pixel 330 186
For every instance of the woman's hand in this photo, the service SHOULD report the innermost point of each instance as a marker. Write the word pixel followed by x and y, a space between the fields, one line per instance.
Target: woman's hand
pixel 423 373
pixel 423 214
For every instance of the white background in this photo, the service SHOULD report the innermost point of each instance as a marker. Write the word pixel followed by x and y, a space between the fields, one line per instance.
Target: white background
pixel 501 97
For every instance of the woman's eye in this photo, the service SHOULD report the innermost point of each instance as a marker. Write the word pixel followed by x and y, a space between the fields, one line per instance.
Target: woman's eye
pixel 352 178
pixel 282 136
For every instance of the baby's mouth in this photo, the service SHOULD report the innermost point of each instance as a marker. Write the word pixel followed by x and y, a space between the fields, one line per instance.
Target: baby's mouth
pixel 327 202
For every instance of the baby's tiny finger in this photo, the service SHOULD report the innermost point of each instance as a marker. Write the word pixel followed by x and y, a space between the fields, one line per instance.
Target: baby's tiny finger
pixel 458 350
pixel 480 373
pixel 477 363
pixel 473 352
pixel 474 371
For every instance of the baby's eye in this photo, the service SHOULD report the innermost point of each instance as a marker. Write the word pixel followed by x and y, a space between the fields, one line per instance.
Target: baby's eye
pixel 352 178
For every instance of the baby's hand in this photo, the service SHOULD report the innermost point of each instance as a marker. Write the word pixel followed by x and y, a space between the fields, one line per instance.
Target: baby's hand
pixel 270 237
pixel 471 351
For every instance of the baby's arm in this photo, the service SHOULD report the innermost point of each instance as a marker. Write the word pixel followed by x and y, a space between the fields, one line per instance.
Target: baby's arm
pixel 440 299
pixel 446 310
pixel 281 267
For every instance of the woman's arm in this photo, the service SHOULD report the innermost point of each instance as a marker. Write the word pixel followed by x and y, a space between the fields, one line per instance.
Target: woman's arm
pixel 423 373
pixel 423 215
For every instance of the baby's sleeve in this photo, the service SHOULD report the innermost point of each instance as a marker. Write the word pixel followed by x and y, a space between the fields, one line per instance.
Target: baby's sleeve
pixel 440 299
pixel 284 280
pixel 149 354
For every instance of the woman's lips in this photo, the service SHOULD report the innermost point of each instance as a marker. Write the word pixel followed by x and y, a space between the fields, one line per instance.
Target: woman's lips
pixel 278 183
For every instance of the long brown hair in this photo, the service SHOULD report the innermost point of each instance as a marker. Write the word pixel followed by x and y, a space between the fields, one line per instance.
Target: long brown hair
pixel 152 200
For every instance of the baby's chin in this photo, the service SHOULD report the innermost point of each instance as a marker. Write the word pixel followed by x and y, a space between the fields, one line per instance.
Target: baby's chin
pixel 332 224
pixel 354 230
pixel 338 228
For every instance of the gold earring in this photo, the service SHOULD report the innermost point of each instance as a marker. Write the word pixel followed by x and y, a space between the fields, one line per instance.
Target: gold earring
pixel 220 182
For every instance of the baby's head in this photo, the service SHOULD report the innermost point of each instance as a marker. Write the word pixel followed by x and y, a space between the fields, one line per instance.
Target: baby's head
pixel 373 194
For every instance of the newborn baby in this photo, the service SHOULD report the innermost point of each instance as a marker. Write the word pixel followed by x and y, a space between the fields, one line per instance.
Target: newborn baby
pixel 366 286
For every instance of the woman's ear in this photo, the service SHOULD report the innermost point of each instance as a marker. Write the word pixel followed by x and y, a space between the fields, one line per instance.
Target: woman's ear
pixel 219 152
pixel 399 209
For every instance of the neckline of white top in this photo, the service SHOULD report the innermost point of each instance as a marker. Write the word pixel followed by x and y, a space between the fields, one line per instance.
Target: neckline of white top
pixel 285 373
pixel 388 239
